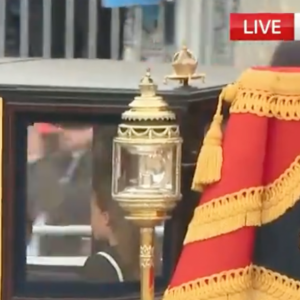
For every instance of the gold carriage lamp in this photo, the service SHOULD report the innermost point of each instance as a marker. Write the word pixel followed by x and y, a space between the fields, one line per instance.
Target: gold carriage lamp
pixel 185 65
pixel 146 170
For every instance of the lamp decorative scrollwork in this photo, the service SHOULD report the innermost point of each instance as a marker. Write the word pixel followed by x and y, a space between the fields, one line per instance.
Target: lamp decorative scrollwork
pixel 147 170
pixel 185 65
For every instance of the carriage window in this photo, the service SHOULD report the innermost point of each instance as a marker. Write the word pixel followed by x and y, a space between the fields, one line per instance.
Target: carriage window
pixel 74 227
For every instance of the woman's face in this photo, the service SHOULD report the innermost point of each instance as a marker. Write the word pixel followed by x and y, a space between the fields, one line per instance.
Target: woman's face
pixel 99 222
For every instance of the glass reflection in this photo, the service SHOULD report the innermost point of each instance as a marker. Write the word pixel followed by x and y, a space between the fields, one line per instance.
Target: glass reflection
pixel 145 172
pixel 75 231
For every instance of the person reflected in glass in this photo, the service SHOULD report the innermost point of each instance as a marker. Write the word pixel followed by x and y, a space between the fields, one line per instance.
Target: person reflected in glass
pixel 74 164
pixel 119 259
pixel 42 186
pixel 59 183
pixel 75 155
pixel 50 136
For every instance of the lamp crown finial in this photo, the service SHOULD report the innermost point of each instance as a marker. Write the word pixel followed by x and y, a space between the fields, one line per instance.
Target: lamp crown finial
pixel 147 85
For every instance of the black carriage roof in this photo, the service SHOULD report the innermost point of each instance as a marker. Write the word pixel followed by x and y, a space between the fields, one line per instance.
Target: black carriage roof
pixel 103 79
pixel 98 74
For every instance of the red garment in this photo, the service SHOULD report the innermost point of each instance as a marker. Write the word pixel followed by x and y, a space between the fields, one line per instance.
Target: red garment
pixel 257 150
pixel 46 128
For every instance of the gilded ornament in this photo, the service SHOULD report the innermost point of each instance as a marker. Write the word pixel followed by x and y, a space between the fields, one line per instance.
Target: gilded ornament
pixel 185 64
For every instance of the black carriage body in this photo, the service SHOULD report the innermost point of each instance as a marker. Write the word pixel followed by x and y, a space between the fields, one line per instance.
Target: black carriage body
pixel 96 92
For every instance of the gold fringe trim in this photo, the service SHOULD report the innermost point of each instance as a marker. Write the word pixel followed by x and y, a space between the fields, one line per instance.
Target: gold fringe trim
pixel 250 283
pixel 267 94
pixel 248 207
pixel 225 214
pixel 282 194
pixel 219 286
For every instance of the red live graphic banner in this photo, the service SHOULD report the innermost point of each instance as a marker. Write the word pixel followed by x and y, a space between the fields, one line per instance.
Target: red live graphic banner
pixel 264 27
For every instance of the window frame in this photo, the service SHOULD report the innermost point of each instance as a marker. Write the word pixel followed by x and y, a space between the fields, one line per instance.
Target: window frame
pixel 27 104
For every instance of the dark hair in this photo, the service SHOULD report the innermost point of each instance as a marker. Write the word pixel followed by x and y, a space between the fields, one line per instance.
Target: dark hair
pixel 286 54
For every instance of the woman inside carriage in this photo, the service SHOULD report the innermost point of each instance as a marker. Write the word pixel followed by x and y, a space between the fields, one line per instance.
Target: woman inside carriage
pixel 243 240
pixel 117 260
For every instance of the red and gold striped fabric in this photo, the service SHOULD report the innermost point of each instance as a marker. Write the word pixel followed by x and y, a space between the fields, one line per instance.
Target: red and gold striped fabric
pixel 234 245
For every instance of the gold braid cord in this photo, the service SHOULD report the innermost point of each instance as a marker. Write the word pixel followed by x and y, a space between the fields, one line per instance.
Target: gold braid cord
pixel 249 207
pixel 268 94
pixel 253 283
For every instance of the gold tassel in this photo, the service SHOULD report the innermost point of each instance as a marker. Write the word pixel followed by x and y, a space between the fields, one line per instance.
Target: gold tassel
pixel 210 159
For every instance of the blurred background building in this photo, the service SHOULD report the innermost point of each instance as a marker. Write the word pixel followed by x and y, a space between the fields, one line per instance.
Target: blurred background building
pixel 84 28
